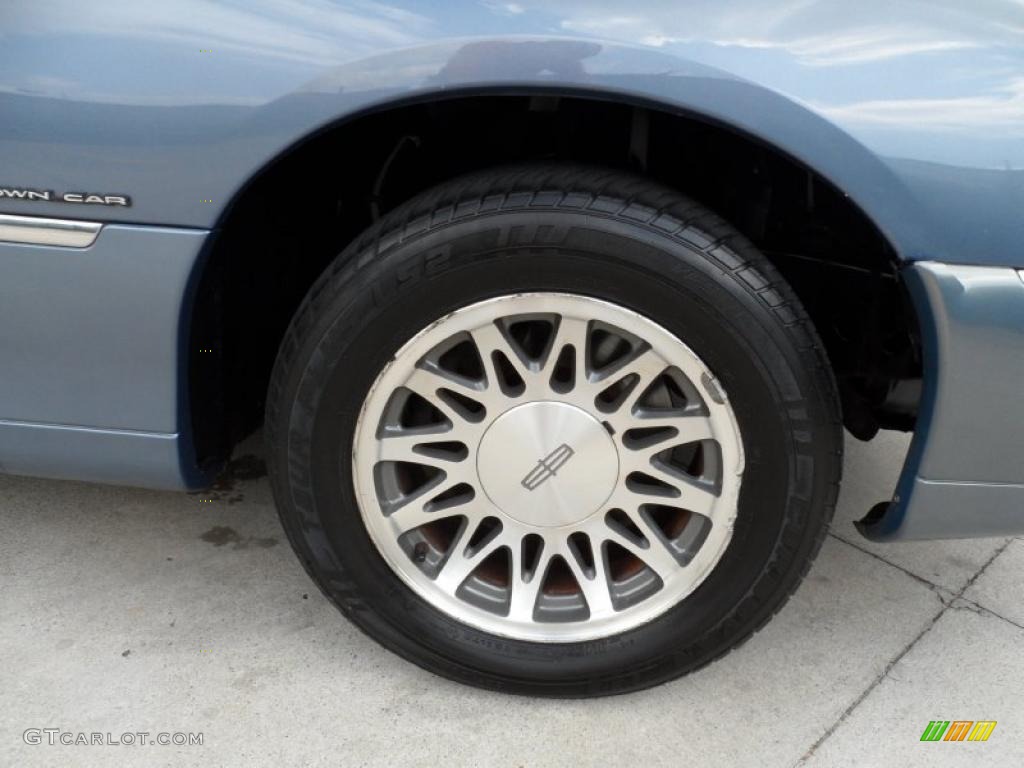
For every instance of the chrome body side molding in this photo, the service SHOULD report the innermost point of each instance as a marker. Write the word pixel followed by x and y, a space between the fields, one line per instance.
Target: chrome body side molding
pixel 36 230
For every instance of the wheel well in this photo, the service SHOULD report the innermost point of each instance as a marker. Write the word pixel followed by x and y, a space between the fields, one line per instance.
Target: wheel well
pixel 299 213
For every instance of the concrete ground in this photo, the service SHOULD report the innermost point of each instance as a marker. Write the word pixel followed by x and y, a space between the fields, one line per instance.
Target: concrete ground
pixel 125 610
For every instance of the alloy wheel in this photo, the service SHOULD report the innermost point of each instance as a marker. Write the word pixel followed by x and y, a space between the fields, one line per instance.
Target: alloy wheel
pixel 548 467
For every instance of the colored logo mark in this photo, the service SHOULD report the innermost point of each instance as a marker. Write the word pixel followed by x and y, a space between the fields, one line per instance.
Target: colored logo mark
pixel 958 730
pixel 547 467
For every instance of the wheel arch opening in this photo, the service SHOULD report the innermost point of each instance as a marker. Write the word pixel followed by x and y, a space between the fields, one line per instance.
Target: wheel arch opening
pixel 300 211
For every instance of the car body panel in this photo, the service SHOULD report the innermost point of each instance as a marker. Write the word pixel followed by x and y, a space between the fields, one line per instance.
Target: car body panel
pixel 93 382
pixel 978 325
pixel 145 459
pixel 90 335
pixel 963 475
pixel 914 110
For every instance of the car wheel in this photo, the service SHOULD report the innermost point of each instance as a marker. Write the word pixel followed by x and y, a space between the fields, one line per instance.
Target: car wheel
pixel 554 430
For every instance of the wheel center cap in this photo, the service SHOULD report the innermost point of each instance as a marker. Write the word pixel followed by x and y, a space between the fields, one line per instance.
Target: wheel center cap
pixel 547 464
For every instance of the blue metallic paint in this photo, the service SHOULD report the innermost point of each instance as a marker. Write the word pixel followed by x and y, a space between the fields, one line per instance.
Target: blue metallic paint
pixel 915 110
pixel 124 294
pixel 148 459
pixel 90 386
pixel 963 475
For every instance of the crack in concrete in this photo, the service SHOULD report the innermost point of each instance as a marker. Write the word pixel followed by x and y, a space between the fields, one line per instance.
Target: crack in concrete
pixel 966 604
pixel 938 589
pixel 946 605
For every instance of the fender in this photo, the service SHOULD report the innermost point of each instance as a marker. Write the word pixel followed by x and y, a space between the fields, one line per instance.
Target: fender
pixel 183 163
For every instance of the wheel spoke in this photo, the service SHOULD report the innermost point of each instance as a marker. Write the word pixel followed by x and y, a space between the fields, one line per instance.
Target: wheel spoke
pixel 490 339
pixel 602 570
pixel 426 384
pixel 655 555
pixel 684 494
pixel 460 563
pixel 689 429
pixel 677 431
pixel 692 495
pixel 433 375
pixel 410 516
pixel 572 331
pixel 400 447
pixel 646 366
pixel 417 511
pixel 455 475
pixel 523 600
pixel 431 378
pixel 594 587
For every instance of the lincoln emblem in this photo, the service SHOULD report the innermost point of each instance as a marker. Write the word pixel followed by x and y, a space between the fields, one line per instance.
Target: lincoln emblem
pixel 547 467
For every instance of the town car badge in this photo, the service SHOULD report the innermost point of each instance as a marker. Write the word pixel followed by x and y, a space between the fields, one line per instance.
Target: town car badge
pixel 51 196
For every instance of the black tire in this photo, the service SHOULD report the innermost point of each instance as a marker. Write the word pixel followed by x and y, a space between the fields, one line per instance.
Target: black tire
pixel 589 231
